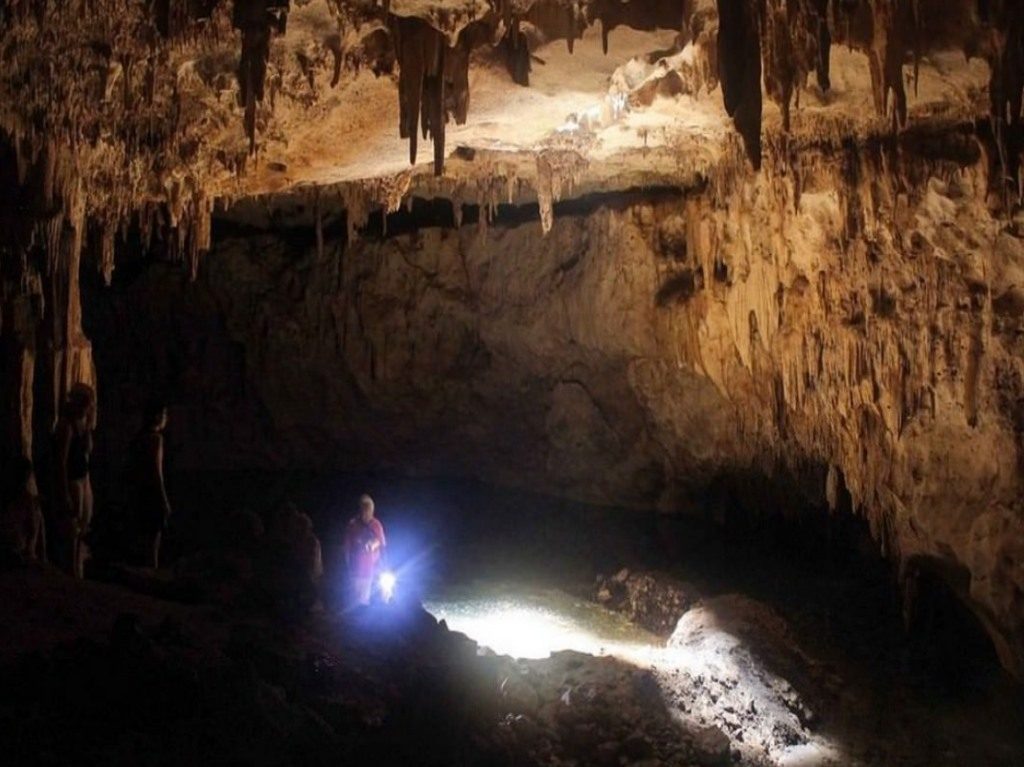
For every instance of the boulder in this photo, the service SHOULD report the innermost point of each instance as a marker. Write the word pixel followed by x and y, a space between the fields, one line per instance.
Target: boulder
pixel 653 600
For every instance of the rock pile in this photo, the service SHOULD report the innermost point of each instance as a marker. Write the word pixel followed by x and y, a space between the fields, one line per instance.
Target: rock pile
pixel 573 708
pixel 651 600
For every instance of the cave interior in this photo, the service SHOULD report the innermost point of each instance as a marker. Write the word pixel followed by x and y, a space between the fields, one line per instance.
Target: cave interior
pixel 679 343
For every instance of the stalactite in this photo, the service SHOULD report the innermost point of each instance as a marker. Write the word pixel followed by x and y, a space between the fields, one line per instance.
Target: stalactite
pixel 1005 53
pixel 516 52
pixel 824 46
pixel 199 220
pixel 558 171
pixel 318 223
pixel 106 260
pixel 422 53
pixel 889 37
pixel 791 39
pixel 739 69
pixel 360 198
pixel 256 19
pixel 558 20
pixel 645 15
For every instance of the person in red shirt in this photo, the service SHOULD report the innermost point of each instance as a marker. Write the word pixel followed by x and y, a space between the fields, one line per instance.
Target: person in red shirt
pixel 364 542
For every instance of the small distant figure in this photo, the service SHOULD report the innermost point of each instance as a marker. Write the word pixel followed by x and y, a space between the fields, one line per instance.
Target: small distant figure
pixel 292 565
pixel 150 507
pixel 364 543
pixel 22 528
pixel 294 531
pixel 74 487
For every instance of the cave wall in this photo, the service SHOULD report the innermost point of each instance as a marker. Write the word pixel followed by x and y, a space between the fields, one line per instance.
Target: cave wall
pixel 860 310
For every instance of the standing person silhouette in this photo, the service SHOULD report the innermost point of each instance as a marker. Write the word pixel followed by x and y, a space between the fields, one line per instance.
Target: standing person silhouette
pixel 150 507
pixel 364 543
pixel 74 487
pixel 22 529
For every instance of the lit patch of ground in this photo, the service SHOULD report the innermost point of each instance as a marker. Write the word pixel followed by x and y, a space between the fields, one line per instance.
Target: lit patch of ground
pixel 708 674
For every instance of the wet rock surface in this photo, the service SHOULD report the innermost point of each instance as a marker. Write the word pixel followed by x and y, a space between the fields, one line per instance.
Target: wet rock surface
pixel 167 684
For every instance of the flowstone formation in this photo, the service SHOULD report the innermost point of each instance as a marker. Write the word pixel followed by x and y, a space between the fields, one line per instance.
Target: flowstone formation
pixel 821 272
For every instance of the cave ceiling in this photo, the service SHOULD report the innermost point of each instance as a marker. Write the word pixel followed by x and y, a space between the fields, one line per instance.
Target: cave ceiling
pixel 153 111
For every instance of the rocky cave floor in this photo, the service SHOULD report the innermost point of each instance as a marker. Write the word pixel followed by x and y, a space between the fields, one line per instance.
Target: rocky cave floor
pixel 789 649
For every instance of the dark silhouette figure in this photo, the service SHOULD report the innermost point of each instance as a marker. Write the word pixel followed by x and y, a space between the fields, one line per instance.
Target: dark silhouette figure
pixel 73 499
pixel 291 566
pixel 22 529
pixel 150 508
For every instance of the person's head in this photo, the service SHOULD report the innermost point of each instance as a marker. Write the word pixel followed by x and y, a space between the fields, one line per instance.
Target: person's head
pixel 80 404
pixel 154 418
pixel 366 508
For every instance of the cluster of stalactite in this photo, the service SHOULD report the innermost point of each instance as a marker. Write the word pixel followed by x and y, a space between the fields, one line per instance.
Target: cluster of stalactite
pixel 432 78
pixel 779 43
pixel 43 225
pixel 94 141
pixel 1006 57
pixel 109 93
pixel 111 112
pixel 434 71
pixel 786 40
pixel 122 90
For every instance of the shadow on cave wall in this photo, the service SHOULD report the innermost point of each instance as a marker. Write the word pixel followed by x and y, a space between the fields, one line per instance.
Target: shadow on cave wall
pixel 156 334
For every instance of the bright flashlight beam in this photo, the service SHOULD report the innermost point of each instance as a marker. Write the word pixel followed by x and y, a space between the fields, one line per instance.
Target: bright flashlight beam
pixel 534 632
pixel 388 580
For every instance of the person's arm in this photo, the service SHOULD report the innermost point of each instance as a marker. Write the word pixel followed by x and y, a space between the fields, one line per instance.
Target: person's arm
pixel 379 541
